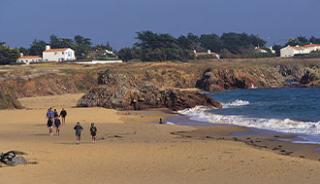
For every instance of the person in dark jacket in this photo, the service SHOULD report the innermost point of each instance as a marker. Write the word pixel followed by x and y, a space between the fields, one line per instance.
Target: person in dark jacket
pixel 49 125
pixel 78 129
pixel 57 124
pixel 63 115
pixel 93 132
pixel 55 113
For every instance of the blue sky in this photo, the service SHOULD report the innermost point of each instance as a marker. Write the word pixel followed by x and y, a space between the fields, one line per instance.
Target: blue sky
pixel 116 21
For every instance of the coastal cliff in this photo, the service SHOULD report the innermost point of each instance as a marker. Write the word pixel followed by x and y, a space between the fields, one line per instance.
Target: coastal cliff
pixel 173 85
pixel 181 85
pixel 125 92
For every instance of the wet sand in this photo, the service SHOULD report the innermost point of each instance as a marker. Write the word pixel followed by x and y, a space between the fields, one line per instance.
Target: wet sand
pixel 133 148
pixel 275 142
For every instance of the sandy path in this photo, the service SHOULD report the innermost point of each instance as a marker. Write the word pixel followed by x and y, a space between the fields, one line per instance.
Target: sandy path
pixel 130 151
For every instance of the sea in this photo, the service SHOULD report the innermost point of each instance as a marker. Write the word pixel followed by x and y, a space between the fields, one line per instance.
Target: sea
pixel 285 110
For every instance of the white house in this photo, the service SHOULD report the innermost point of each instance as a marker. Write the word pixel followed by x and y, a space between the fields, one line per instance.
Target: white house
pixel 291 51
pixel 29 59
pixel 58 55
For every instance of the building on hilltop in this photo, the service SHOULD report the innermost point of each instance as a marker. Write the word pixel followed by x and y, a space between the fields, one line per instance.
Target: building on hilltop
pixel 29 59
pixel 58 55
pixel 291 51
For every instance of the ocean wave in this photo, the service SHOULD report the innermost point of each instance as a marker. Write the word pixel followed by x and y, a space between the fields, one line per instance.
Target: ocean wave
pixel 236 103
pixel 205 114
pixel 170 123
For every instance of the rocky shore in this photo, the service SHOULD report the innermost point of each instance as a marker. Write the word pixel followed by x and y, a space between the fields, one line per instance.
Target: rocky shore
pixel 124 92
pixel 182 85
pixel 173 85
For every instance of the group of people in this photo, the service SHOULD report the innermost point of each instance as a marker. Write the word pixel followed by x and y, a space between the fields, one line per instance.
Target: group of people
pixel 53 120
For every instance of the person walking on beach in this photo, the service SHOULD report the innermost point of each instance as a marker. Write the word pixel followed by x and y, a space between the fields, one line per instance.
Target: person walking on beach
pixel 63 115
pixel 160 121
pixel 49 125
pixel 78 129
pixel 57 124
pixel 50 114
pixel 93 132
pixel 55 113
pixel 50 119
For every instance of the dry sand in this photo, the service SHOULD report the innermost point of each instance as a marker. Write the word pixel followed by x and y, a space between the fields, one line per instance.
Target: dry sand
pixel 130 150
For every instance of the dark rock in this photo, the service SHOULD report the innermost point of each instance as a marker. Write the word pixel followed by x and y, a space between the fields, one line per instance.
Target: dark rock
pixel 310 76
pixel 225 79
pixel 124 92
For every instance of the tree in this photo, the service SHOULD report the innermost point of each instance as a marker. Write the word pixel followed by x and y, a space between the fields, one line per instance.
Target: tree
pixel 57 42
pixel 211 42
pixel 8 55
pixel 190 42
pixel 159 47
pixel 126 54
pixel 300 40
pixel 277 49
pixel 106 46
pixel 23 50
pixel 236 42
pixel 314 40
pixel 82 46
pixel 150 40
pixel 37 47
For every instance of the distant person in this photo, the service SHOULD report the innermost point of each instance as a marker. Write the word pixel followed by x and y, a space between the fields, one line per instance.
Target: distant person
pixel 93 132
pixel 50 114
pixel 134 102
pixel 57 124
pixel 63 115
pixel 49 125
pixel 78 129
pixel 55 113
pixel 160 121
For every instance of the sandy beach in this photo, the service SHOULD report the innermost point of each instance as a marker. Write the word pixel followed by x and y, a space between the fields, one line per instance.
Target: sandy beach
pixel 133 148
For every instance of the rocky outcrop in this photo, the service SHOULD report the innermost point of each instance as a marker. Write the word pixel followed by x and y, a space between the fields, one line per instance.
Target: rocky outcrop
pixel 44 85
pixel 122 91
pixel 311 77
pixel 214 80
pixel 154 85
pixel 8 101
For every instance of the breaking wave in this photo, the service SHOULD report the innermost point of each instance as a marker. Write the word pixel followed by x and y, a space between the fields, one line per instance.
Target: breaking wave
pixel 205 114
pixel 236 103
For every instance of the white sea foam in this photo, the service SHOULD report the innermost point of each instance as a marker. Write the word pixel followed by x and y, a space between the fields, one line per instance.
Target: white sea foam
pixel 205 114
pixel 170 123
pixel 236 103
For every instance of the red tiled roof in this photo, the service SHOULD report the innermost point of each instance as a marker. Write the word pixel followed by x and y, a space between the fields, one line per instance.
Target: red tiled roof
pixel 305 46
pixel 56 50
pixel 312 45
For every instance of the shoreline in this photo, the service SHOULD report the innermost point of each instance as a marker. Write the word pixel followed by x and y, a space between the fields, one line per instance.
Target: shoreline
pixel 276 142
pixel 133 148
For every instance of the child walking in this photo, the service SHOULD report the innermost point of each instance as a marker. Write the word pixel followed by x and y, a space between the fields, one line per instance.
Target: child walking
pixel 78 129
pixel 57 124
